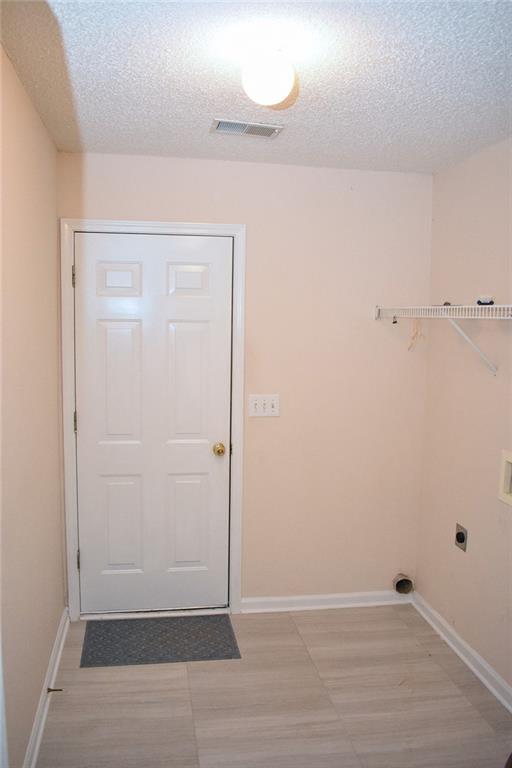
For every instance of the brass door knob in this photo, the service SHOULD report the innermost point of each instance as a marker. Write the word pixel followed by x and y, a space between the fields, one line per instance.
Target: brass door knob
pixel 219 449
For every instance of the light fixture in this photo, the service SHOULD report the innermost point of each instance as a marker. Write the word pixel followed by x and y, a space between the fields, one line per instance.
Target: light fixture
pixel 268 77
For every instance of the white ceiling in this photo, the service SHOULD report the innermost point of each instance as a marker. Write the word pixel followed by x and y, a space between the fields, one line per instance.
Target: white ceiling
pixel 384 84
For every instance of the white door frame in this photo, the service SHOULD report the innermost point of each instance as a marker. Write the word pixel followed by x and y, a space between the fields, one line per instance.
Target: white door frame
pixel 237 232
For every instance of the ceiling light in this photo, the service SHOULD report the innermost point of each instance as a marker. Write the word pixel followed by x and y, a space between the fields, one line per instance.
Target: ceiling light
pixel 268 77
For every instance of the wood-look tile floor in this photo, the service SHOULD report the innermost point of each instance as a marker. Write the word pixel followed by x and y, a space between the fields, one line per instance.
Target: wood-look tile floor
pixel 348 688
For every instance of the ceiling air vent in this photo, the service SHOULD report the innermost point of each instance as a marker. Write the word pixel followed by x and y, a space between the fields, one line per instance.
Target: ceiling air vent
pixel 238 128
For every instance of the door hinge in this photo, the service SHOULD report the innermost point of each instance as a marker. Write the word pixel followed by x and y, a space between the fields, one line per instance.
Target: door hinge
pixel 78 559
pixel 75 422
pixel 231 449
pixel 73 276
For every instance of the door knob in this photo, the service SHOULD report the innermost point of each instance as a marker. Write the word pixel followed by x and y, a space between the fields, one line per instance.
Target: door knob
pixel 219 449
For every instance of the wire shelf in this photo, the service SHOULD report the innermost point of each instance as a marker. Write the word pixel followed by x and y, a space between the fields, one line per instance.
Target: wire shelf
pixel 455 312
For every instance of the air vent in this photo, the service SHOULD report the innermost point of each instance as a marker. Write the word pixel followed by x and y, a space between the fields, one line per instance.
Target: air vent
pixel 238 128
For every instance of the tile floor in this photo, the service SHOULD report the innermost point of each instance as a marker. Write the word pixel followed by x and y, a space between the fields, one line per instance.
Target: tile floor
pixel 348 688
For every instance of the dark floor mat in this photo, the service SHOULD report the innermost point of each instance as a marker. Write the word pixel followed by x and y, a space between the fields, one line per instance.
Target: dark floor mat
pixel 121 642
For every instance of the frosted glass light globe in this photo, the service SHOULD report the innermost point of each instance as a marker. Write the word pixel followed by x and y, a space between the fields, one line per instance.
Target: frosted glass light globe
pixel 268 78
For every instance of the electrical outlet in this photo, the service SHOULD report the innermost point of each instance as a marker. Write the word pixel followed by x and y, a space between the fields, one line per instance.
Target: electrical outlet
pixel 263 405
pixel 461 537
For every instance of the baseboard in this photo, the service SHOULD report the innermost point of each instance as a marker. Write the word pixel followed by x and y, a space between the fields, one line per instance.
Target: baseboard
pixel 476 663
pixel 317 602
pixel 44 700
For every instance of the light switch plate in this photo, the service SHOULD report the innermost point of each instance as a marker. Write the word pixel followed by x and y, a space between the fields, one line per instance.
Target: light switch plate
pixel 263 405
pixel 505 493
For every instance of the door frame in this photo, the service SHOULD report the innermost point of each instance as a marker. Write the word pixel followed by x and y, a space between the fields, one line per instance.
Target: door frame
pixel 237 231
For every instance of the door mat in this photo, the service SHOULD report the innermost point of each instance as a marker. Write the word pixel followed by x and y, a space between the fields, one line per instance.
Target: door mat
pixel 121 642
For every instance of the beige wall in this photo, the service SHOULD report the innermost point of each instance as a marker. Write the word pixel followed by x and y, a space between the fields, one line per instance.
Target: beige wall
pixel 32 570
pixel 332 486
pixel 469 413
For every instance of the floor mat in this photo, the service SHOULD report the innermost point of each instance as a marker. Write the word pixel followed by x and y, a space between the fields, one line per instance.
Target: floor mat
pixel 121 642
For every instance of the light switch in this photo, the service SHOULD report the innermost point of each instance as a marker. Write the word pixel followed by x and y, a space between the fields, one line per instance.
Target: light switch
pixel 263 405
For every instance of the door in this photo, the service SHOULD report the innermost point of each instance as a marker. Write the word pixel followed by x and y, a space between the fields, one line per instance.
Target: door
pixel 153 372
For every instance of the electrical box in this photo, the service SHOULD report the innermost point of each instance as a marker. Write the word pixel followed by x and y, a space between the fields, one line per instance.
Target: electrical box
pixel 505 493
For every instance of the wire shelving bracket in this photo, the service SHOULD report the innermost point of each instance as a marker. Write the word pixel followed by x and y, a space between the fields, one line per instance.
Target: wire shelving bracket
pixel 452 313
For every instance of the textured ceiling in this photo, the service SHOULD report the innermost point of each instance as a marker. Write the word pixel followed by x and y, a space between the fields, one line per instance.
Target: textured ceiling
pixel 384 84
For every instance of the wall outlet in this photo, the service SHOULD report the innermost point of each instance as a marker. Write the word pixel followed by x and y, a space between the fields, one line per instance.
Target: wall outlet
pixel 263 405
pixel 461 537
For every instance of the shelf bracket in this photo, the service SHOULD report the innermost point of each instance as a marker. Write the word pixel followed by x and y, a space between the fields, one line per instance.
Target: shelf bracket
pixel 472 344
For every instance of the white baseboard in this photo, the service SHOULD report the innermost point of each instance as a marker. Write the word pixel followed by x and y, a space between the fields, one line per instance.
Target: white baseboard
pixel 316 602
pixel 42 708
pixel 476 663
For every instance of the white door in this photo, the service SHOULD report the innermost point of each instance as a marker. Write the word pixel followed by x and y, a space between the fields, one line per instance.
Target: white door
pixel 153 372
